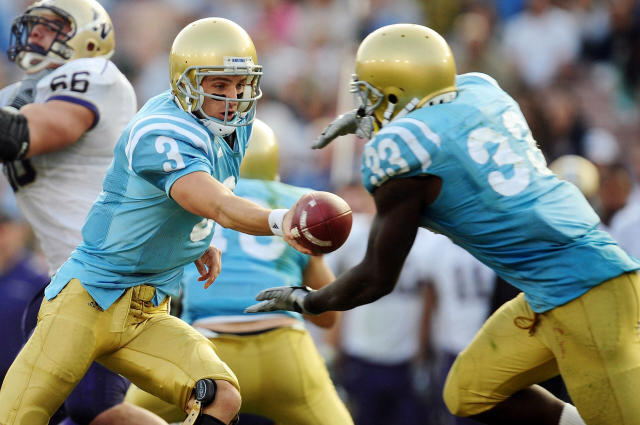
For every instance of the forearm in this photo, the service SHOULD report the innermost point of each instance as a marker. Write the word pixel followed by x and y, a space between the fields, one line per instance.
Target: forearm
pixel 317 275
pixel 202 195
pixel 242 215
pixel 358 286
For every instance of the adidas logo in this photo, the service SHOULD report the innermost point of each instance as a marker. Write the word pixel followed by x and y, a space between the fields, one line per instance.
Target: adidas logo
pixel 275 226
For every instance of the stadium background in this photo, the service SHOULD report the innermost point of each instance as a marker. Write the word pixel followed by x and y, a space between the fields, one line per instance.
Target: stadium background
pixel 573 65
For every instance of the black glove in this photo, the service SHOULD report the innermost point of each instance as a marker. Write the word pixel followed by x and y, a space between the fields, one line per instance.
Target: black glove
pixel 14 135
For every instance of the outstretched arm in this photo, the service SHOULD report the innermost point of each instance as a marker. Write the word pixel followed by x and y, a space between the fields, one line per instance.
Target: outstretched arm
pixel 317 275
pixel 399 203
pixel 202 195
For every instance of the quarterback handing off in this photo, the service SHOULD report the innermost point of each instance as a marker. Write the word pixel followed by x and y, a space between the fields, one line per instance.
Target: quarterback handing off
pixel 282 376
pixel 172 174
pixel 453 153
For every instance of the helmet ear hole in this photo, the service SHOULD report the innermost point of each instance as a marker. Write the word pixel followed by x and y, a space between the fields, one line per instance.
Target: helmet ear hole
pixel 392 98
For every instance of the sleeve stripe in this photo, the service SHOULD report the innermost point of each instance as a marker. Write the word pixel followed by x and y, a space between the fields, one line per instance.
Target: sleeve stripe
pixel 426 131
pixel 138 133
pixel 189 124
pixel 412 141
pixel 81 102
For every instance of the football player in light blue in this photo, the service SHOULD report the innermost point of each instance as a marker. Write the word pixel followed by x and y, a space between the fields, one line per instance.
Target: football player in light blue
pixel 282 376
pixel 174 169
pixel 454 154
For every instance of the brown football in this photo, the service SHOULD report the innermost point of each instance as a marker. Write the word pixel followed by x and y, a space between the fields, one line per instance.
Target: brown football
pixel 321 221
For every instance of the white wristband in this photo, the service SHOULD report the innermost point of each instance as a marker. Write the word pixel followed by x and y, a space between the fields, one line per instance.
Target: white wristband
pixel 276 221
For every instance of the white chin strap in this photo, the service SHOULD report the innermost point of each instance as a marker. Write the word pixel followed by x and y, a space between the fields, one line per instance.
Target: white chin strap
pixel 216 128
pixel 26 62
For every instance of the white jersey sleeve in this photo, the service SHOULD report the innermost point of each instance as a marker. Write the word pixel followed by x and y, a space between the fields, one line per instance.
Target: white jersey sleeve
pixel 463 286
pixel 56 190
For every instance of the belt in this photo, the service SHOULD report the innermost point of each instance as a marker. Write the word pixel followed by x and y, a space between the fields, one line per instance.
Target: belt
pixel 144 292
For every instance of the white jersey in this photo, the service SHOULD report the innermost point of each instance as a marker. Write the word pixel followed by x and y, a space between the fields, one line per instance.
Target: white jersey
pixel 463 288
pixel 388 330
pixel 56 190
pixel 625 227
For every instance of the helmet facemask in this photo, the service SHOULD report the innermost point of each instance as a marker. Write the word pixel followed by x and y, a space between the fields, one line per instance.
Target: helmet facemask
pixel 369 102
pixel 189 85
pixel 367 99
pixel 33 57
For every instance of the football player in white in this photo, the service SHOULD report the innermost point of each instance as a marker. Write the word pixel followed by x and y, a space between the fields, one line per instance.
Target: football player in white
pixel 58 128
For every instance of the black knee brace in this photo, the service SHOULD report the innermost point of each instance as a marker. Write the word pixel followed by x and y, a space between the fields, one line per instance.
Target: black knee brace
pixel 205 393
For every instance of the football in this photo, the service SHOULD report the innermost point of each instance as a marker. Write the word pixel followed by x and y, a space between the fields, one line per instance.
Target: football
pixel 321 222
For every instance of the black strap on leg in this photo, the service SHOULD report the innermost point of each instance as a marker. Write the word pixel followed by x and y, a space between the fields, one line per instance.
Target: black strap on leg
pixel 209 420
pixel 206 391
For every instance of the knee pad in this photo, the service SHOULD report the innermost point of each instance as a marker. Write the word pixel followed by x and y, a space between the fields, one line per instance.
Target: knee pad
pixel 205 392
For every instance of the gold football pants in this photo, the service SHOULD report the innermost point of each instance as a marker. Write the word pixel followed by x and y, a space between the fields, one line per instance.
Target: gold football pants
pixel 592 341
pixel 282 377
pixel 142 342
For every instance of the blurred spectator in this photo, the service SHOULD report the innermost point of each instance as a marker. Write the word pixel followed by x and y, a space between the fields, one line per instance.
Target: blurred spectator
pixel 615 187
pixel 509 8
pixel 22 275
pixel 476 50
pixel 306 49
pixel 565 129
pixel 387 12
pixel 541 42
pixel 601 147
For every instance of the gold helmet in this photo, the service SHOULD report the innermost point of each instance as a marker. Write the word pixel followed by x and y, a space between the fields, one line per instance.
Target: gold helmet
pixel 214 46
pixel 90 35
pixel 401 67
pixel 261 159
pixel 579 171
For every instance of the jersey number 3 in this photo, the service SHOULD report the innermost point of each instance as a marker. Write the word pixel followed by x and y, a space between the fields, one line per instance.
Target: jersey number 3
pixel 504 155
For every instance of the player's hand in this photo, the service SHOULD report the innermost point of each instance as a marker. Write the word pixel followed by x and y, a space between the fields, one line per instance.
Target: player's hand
pixel 209 265
pixel 352 122
pixel 281 298
pixel 288 236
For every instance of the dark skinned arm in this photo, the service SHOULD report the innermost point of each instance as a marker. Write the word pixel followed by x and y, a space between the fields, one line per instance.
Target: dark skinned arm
pixel 399 203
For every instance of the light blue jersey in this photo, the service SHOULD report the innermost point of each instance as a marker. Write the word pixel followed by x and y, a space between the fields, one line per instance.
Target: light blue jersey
pixel 249 263
pixel 498 201
pixel 135 233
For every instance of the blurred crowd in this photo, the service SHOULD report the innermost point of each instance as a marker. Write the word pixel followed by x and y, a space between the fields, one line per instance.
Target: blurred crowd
pixel 573 66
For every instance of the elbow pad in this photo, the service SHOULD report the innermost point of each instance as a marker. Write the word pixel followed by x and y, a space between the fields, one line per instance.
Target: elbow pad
pixel 14 135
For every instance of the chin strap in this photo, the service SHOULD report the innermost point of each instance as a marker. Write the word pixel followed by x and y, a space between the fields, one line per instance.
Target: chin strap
pixel 217 128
